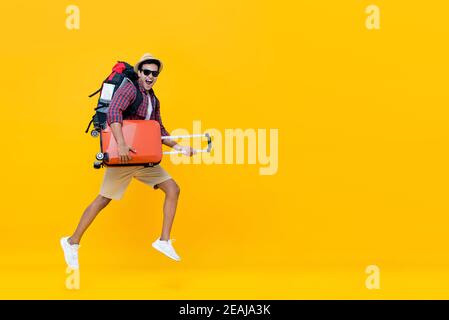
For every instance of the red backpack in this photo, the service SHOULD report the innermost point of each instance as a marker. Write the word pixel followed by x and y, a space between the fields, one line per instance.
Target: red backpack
pixel 122 73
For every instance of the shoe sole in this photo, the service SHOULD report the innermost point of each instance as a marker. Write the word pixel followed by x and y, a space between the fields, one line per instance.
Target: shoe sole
pixel 161 251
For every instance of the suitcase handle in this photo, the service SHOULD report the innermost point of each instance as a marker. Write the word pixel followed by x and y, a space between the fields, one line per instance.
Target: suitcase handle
pixel 209 142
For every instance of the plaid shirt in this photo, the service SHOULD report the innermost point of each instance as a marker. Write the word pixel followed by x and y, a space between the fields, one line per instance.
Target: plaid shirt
pixel 124 97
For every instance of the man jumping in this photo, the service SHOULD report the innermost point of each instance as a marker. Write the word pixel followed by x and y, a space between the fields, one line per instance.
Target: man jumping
pixel 117 179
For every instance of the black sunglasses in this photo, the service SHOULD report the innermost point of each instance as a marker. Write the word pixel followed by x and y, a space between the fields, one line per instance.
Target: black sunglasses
pixel 147 72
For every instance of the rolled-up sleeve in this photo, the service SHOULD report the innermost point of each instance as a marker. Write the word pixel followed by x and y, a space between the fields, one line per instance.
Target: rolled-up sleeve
pixel 121 100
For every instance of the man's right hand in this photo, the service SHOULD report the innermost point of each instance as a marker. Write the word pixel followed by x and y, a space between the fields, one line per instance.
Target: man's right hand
pixel 123 153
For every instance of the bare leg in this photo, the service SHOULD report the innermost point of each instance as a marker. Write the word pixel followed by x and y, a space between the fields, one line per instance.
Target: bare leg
pixel 171 190
pixel 88 216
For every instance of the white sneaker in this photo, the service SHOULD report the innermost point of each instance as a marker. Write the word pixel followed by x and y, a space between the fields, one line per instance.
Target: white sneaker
pixel 70 253
pixel 166 248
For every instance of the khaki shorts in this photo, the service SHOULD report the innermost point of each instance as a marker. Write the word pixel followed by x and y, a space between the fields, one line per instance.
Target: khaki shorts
pixel 117 179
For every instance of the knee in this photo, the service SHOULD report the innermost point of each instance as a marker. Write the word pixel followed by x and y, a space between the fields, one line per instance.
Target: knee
pixel 174 191
pixel 102 201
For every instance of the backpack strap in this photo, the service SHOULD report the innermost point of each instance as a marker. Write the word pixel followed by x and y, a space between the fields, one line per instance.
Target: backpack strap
pixel 155 99
pixel 95 93
pixel 137 101
pixel 90 123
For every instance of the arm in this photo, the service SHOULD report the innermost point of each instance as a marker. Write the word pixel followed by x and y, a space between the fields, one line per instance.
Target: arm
pixel 121 100
pixel 123 148
pixel 170 143
pixel 187 150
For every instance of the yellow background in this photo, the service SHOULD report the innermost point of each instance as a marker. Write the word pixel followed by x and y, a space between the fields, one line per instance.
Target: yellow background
pixel 362 118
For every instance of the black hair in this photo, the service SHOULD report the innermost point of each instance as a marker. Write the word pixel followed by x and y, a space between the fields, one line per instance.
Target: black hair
pixel 156 62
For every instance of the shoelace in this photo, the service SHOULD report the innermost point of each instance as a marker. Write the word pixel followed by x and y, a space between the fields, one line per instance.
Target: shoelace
pixel 169 245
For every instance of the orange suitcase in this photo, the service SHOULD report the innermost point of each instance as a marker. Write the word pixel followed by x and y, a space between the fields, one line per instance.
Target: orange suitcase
pixel 145 137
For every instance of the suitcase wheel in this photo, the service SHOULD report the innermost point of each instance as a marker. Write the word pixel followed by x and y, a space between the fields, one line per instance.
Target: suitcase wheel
pixel 99 156
pixel 94 133
pixel 97 165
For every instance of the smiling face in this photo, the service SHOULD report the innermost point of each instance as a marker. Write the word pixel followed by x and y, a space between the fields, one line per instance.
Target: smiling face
pixel 148 74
